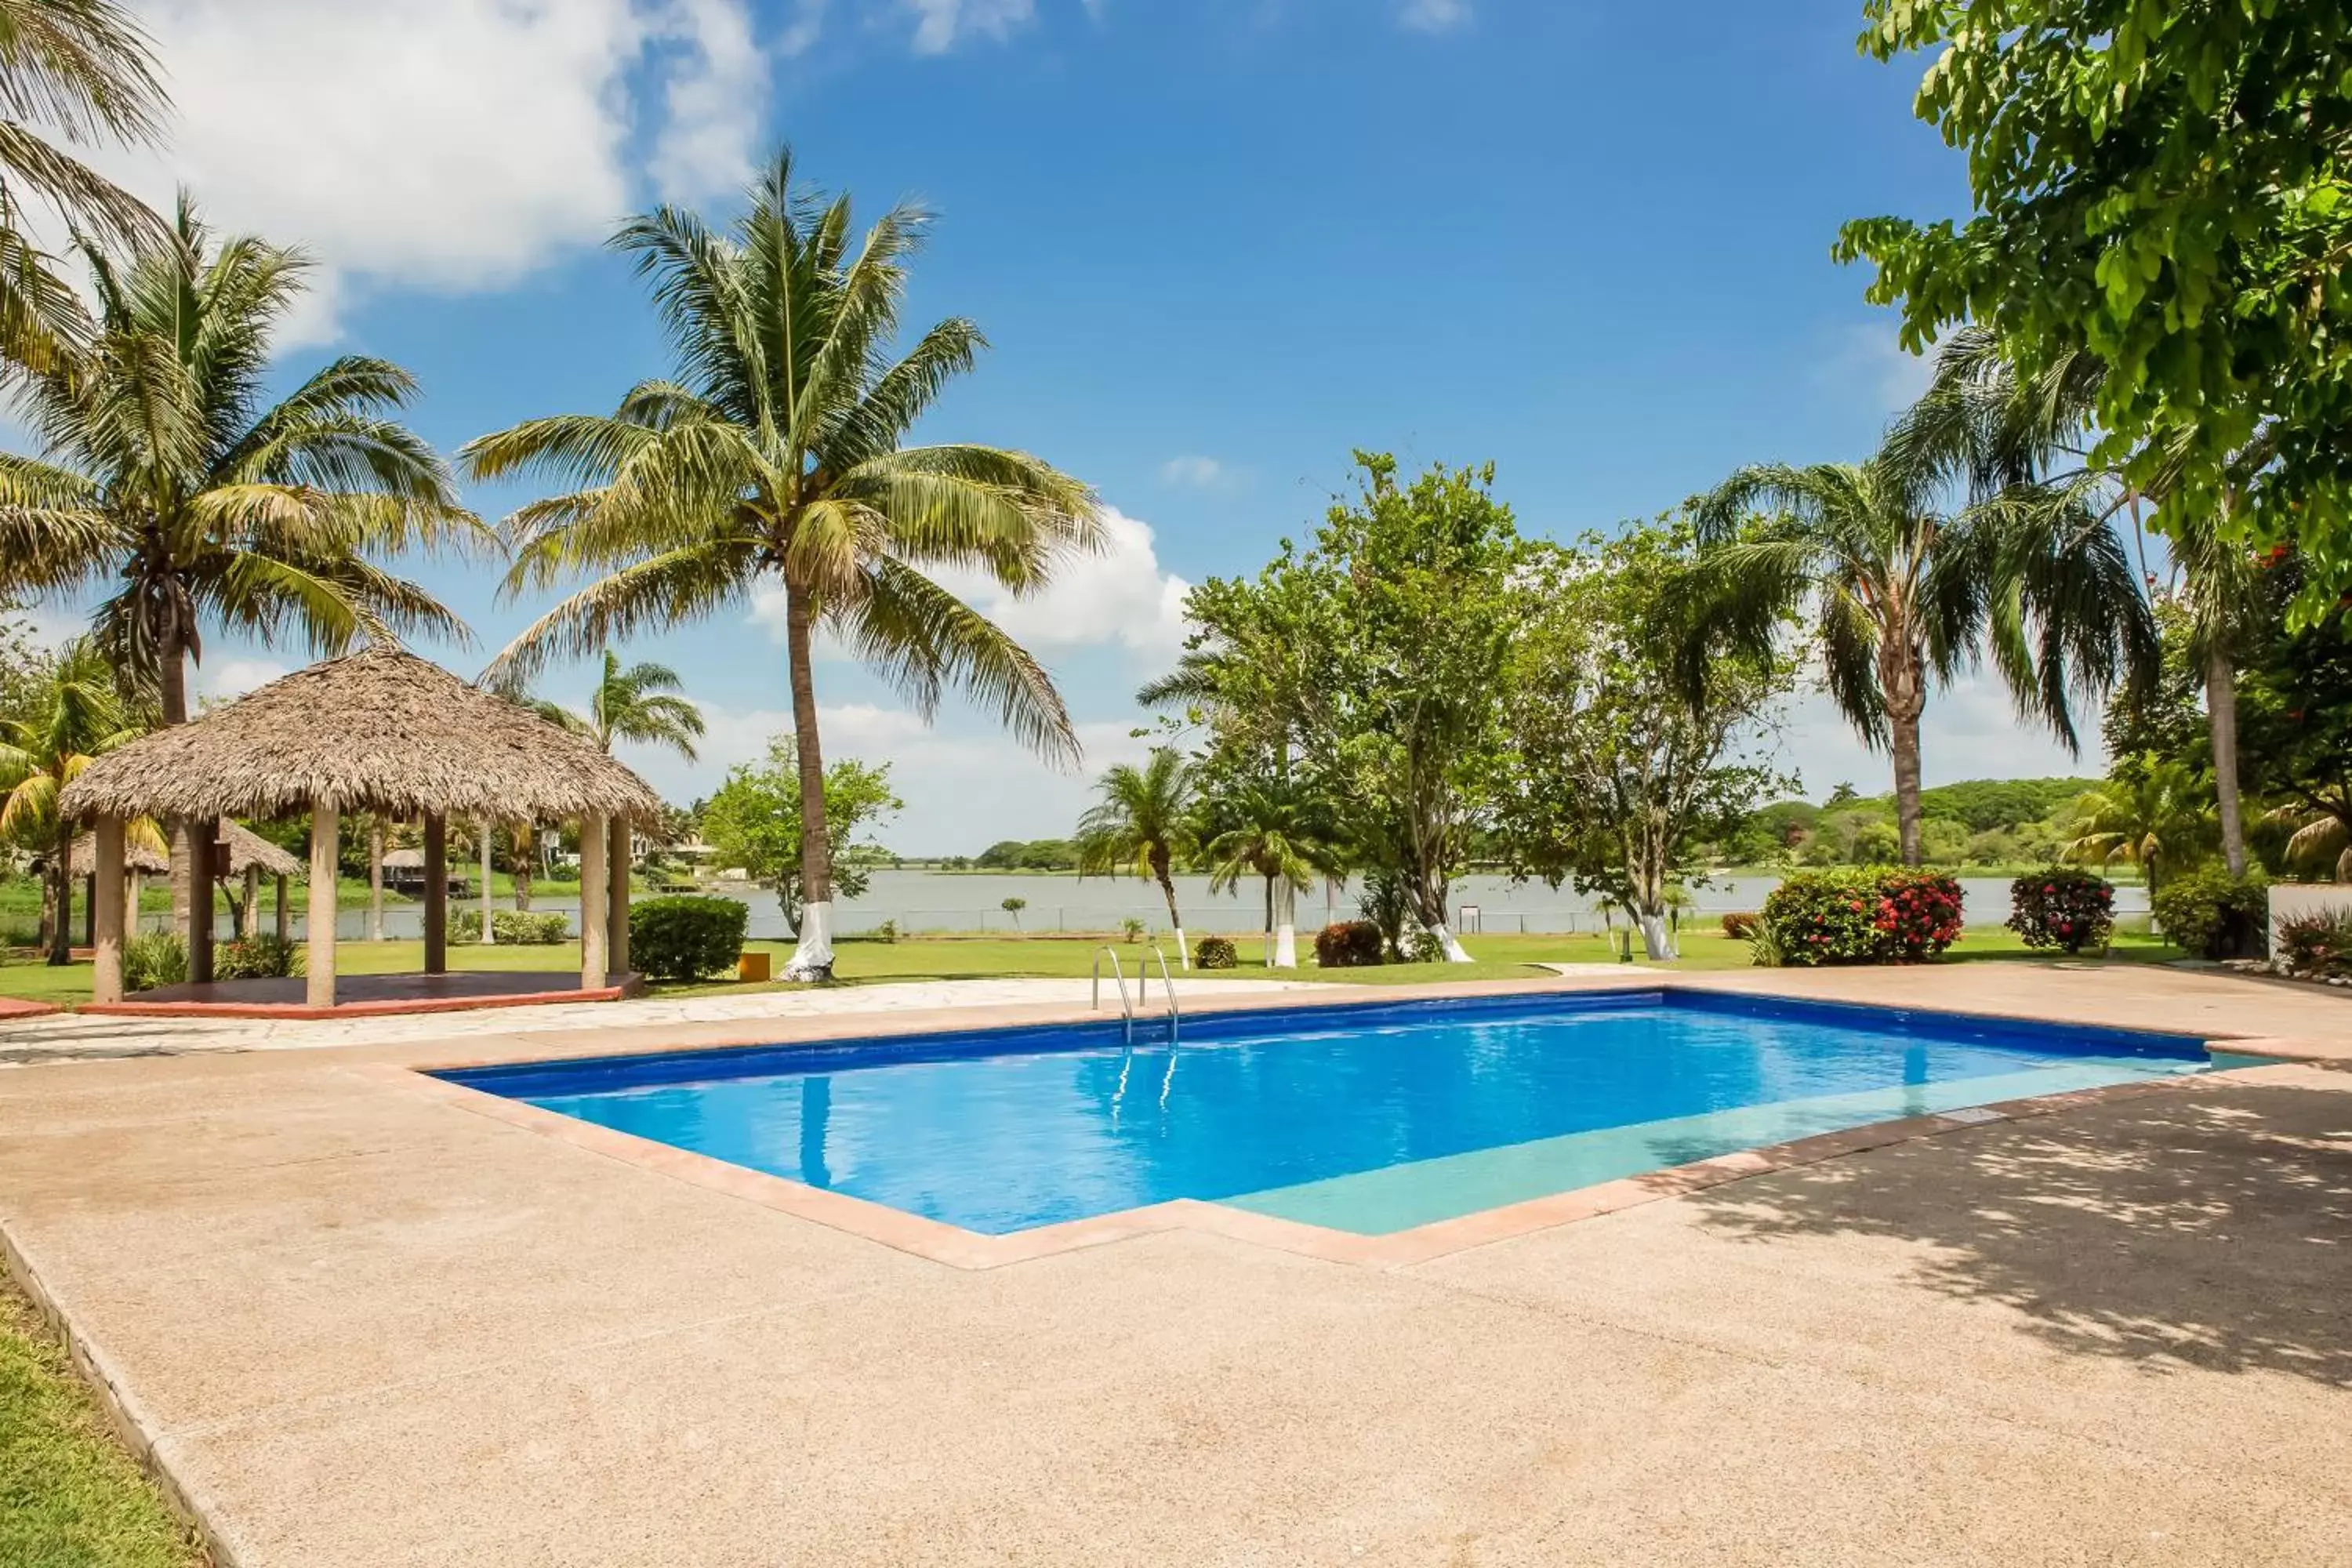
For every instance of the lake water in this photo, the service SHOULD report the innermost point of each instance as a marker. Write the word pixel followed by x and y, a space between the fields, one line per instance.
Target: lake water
pixel 959 901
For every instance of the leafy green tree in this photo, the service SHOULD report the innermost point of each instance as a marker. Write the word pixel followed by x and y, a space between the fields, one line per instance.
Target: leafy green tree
pixel 2164 188
pixel 72 715
pixel 1279 830
pixel 755 821
pixel 1615 774
pixel 80 71
pixel 2160 820
pixel 1143 821
pixel 775 456
pixel 1902 592
pixel 2296 695
pixel 637 703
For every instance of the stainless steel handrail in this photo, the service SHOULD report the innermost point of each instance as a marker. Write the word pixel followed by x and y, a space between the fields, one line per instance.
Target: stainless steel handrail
pixel 1118 978
pixel 1167 984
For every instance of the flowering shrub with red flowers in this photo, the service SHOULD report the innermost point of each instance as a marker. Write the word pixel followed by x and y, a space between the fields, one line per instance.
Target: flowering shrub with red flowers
pixel 2317 946
pixel 2062 908
pixel 1863 917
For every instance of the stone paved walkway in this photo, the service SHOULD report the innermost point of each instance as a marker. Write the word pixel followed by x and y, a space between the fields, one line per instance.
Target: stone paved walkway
pixel 361 1326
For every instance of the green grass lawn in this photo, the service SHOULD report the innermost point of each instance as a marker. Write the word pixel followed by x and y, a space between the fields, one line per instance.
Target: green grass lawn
pixel 1500 957
pixel 71 1497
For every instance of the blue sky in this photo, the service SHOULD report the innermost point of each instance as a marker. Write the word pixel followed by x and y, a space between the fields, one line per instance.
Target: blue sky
pixel 1216 242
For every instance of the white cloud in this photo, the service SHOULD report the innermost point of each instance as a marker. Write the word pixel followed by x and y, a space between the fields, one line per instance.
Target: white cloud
pixel 448 143
pixel 1970 731
pixel 1433 16
pixel 225 681
pixel 1199 473
pixel 940 25
pixel 1871 356
pixel 1120 598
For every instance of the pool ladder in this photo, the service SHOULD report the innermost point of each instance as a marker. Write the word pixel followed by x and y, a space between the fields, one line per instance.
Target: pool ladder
pixel 1142 989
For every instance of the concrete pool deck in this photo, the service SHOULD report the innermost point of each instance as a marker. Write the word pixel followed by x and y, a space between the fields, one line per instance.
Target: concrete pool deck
pixel 362 1326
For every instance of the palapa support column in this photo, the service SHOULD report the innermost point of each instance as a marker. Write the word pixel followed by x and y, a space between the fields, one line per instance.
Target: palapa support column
pixel 204 836
pixel 248 908
pixel 320 961
pixel 436 893
pixel 285 930
pixel 592 931
pixel 616 900
pixel 134 884
pixel 106 912
pixel 89 911
pixel 489 929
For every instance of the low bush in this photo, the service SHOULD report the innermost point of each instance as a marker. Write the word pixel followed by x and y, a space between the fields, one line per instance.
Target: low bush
pixel 1740 925
pixel 2317 946
pixel 2212 914
pixel 257 958
pixel 1132 929
pixel 685 938
pixel 2063 906
pixel 516 928
pixel 161 959
pixel 1349 944
pixel 1214 952
pixel 1875 915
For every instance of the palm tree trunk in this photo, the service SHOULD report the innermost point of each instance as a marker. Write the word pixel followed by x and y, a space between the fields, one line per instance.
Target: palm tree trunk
pixel 528 839
pixel 1175 921
pixel 1906 736
pixel 172 685
pixel 813 952
pixel 2222 717
pixel 1269 922
pixel 61 879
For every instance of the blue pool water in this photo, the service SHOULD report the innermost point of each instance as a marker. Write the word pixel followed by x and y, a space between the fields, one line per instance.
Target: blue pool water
pixel 1366 1119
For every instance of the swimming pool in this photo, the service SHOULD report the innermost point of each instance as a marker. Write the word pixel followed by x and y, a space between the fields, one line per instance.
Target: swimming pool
pixel 1364 1118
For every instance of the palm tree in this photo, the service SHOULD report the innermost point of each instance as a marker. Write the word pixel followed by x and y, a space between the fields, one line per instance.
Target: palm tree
pixel 774 455
pixel 1281 832
pixel 2158 821
pixel 172 482
pixel 82 70
pixel 2320 827
pixel 75 716
pixel 1900 591
pixel 637 704
pixel 1143 823
pixel 2005 430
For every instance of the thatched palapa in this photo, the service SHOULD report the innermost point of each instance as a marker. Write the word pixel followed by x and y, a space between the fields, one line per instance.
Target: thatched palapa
pixel 246 849
pixel 380 731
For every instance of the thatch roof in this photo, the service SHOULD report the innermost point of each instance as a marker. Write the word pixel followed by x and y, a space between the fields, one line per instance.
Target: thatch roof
pixel 245 847
pixel 380 731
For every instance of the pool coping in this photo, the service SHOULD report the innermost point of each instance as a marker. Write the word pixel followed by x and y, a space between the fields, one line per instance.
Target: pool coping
pixel 957 1247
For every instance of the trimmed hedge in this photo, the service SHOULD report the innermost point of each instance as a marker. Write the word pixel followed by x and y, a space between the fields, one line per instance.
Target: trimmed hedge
pixel 1214 952
pixel 686 937
pixel 1349 944
pixel 516 928
pixel 1870 916
pixel 2063 906
pixel 2213 915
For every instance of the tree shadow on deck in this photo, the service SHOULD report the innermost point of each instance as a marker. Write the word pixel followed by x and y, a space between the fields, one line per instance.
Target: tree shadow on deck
pixel 2210 1225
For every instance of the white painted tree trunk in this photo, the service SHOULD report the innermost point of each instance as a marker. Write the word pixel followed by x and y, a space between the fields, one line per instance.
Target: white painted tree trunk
pixel 1454 951
pixel 1285 926
pixel 1656 941
pixel 1183 953
pixel 812 953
